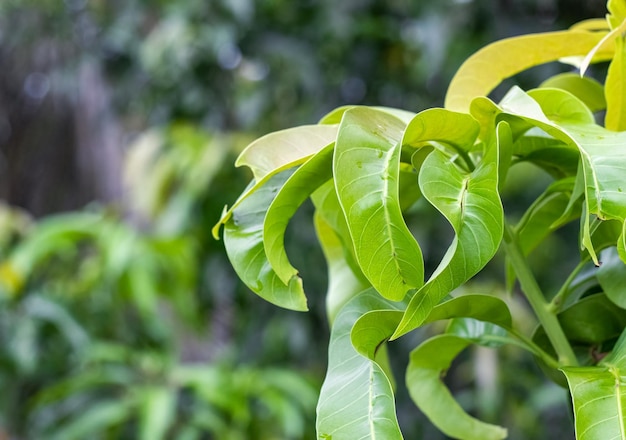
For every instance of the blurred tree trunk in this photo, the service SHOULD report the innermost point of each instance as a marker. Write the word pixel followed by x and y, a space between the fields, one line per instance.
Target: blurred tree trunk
pixel 56 153
pixel 99 137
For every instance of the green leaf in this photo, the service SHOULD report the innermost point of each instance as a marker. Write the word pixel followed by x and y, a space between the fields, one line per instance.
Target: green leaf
pixel 481 307
pixel 243 239
pixel 277 152
pixel 614 87
pixel 458 130
pixel 288 147
pixel 366 169
pixel 335 116
pixel 356 399
pixel 603 158
pixel 471 203
pixel 588 90
pixel 302 183
pixel 599 397
pixel 485 69
pixel 612 276
pixel 426 365
pixel 158 407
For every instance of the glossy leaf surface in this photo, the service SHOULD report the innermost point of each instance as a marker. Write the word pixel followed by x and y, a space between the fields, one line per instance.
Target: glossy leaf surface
pixel 286 147
pixel 366 169
pixel 471 204
pixel 243 239
pixel 488 67
pixel 356 400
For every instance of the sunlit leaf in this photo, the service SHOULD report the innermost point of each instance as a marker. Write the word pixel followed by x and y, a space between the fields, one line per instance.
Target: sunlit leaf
pixel 601 152
pixel 356 400
pixel 471 204
pixel 243 239
pixel 614 87
pixel 334 117
pixel 485 69
pixel 286 147
pixel 366 170
pixel 276 152
pixel 457 130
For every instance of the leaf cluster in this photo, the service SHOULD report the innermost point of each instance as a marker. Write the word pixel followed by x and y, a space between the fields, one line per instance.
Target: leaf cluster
pixel 365 167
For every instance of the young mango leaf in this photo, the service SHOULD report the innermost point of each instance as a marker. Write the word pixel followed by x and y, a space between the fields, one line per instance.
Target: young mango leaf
pixel 603 159
pixel 485 69
pixel 334 117
pixel 423 377
pixel 302 183
pixel 458 130
pixel 286 147
pixel 471 203
pixel 276 152
pixel 614 87
pixel 356 399
pixel 598 396
pixel 366 169
pixel 243 240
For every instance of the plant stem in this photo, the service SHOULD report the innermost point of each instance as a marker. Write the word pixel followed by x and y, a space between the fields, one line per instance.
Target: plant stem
pixel 561 296
pixel 537 301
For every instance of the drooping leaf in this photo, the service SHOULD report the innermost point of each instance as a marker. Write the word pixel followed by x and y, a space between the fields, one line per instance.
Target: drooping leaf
pixel 366 169
pixel 426 365
pixel 471 203
pixel 378 325
pixel 614 87
pixel 243 239
pixel 485 69
pixel 276 152
pixel 356 400
pixel 457 130
pixel 286 147
pixel 599 396
pixel 602 157
pixel 302 183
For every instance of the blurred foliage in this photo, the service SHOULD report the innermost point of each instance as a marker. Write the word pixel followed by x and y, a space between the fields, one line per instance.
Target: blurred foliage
pixel 123 317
